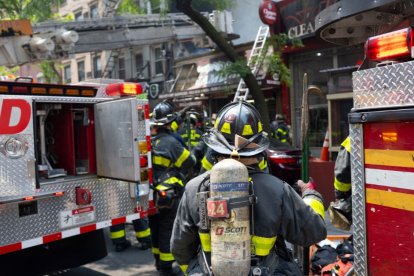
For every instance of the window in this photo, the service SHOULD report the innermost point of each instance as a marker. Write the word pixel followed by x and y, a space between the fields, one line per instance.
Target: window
pixel 121 68
pixel 139 64
pixel 78 16
pixel 97 67
pixel 81 70
pixel 94 11
pixel 67 74
pixel 159 61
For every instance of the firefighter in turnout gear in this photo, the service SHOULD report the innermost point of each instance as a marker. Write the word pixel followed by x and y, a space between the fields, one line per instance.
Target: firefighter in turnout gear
pixel 169 158
pixel 142 233
pixel 340 211
pixel 279 129
pixel 278 214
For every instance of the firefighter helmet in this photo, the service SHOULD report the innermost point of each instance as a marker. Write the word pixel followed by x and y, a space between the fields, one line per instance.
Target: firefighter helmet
pixel 163 114
pixel 242 119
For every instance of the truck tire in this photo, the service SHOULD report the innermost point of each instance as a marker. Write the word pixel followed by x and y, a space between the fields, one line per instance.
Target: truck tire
pixel 67 253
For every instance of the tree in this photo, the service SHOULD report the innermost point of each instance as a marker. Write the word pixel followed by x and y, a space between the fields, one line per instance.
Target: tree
pixel 186 7
pixel 35 10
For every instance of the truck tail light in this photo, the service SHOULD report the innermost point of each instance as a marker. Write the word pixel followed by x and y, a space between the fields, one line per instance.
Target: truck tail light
pixel 124 89
pixel 393 45
pixel 143 161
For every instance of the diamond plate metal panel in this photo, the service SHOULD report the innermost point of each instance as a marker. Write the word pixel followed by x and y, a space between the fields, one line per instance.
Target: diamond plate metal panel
pixel 385 86
pixel 14 173
pixel 358 198
pixel 110 198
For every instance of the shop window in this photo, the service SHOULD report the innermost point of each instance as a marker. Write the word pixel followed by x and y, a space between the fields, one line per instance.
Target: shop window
pixel 311 64
pixel 67 74
pixel 81 71
pixel 121 68
pixel 339 107
pixel 97 66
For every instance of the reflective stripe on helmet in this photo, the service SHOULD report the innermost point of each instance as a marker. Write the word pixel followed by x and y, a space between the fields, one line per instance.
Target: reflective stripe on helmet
pixel 247 130
pixel 226 128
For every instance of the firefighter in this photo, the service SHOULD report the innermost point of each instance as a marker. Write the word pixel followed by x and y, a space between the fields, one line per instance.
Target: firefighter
pixel 279 129
pixel 194 131
pixel 279 212
pixel 170 159
pixel 142 233
pixel 340 211
pixel 342 180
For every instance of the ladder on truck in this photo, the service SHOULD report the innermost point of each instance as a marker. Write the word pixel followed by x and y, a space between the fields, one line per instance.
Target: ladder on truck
pixel 255 62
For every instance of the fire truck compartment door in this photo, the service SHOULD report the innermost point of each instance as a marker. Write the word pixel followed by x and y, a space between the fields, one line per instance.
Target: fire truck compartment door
pixel 116 130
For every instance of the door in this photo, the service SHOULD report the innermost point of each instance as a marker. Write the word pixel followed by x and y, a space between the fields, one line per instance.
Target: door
pixel 116 130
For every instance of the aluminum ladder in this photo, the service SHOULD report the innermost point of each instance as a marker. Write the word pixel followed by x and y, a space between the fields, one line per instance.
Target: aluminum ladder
pixel 255 62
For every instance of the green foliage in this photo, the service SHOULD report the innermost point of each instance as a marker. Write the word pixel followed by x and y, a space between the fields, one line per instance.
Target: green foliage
pixel 239 67
pixel 129 7
pixel 35 10
pixel 6 71
pixel 49 71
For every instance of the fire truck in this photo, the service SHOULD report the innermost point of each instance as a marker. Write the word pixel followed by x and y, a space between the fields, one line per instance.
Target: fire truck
pixel 382 157
pixel 74 159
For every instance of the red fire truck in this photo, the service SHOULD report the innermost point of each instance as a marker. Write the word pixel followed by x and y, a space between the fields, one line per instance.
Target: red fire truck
pixel 382 153
pixel 74 159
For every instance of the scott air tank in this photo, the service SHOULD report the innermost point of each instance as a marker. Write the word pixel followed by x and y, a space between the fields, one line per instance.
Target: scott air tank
pixel 230 237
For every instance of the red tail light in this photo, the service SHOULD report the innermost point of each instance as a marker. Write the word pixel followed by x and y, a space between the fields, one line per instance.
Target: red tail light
pixel 284 159
pixel 124 89
pixel 391 45
pixel 143 161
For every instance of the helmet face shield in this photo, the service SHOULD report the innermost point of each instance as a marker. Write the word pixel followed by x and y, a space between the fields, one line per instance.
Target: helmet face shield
pixel 238 128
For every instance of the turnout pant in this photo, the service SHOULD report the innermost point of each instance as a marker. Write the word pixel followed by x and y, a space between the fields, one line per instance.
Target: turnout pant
pixel 161 225
pixel 141 228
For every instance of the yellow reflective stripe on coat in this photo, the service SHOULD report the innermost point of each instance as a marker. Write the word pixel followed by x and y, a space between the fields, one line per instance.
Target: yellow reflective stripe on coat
pixel 161 161
pixel 174 126
pixel 262 245
pixel 347 144
pixel 166 257
pixel 342 186
pixel 206 164
pixel 184 269
pixel 282 131
pixel 205 240
pixel 263 165
pixel 155 251
pixel 143 234
pixel 118 234
pixel 316 205
pixel 182 158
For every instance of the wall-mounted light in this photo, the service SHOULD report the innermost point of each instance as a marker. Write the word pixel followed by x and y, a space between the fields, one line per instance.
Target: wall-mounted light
pixel 318 54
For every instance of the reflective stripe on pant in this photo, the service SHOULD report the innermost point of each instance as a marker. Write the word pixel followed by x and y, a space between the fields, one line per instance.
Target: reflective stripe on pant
pixel 142 230
pixel 161 226
pixel 117 233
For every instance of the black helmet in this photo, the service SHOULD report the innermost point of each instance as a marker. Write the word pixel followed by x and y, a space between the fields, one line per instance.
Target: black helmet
pixel 237 118
pixel 163 114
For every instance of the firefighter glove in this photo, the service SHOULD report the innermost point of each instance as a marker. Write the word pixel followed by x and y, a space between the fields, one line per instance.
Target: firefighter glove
pixel 306 186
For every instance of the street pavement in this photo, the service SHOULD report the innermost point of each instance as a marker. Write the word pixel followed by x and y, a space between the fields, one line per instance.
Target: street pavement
pixel 132 261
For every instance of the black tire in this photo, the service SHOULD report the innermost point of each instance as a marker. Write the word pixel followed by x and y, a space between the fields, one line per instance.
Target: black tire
pixel 67 253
